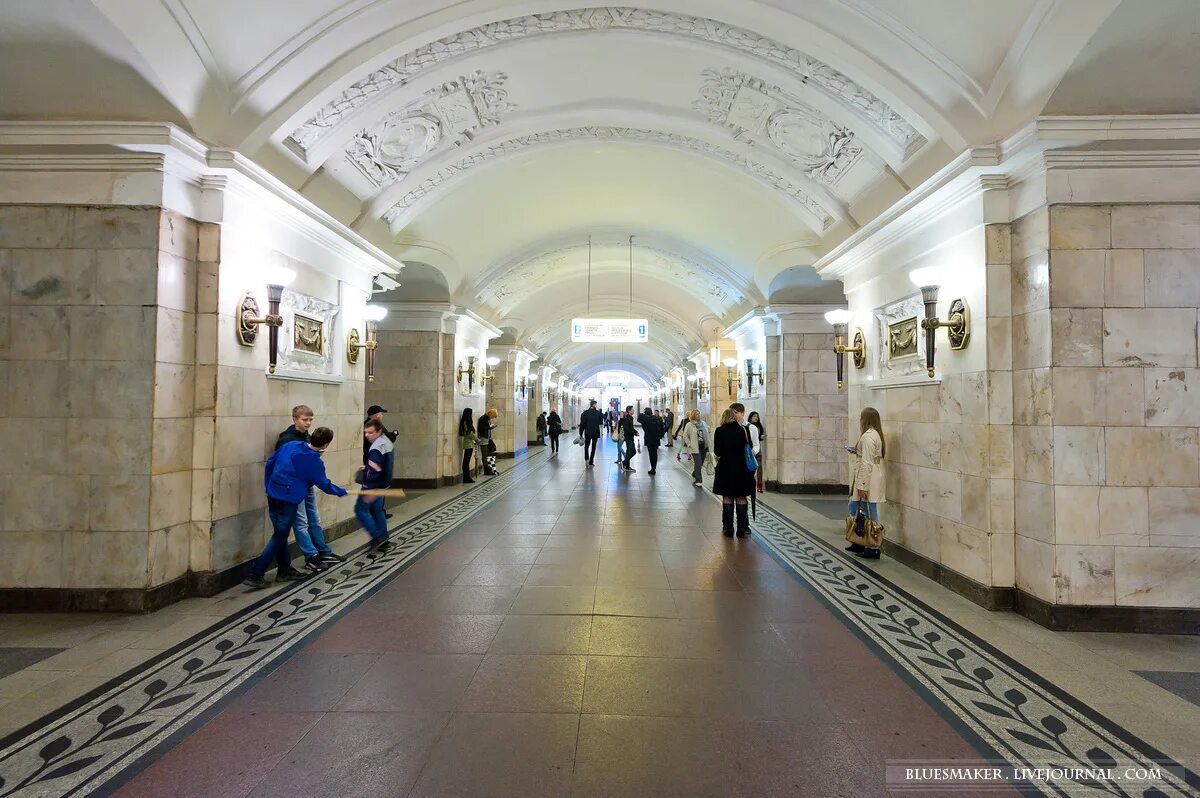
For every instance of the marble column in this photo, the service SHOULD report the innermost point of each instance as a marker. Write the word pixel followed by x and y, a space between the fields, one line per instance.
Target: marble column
pixel 503 391
pixel 722 392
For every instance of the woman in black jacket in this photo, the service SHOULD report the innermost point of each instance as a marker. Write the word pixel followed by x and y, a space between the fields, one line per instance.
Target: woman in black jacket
pixel 734 481
pixel 468 439
pixel 555 428
pixel 487 447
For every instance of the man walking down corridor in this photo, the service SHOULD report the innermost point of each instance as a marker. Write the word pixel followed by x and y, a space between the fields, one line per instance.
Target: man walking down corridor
pixel 590 423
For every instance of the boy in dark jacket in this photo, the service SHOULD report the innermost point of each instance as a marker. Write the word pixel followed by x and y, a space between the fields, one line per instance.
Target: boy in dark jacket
pixel 310 536
pixel 291 472
pixel 377 473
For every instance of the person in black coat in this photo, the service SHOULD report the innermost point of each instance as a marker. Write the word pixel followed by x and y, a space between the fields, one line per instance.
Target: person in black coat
pixel 630 435
pixel 590 422
pixel 652 426
pixel 555 428
pixel 733 481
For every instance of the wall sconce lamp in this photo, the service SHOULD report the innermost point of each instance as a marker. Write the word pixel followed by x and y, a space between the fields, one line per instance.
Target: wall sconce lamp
pixel 731 375
pixel 248 313
pixel 551 392
pixel 958 323
pixel 840 319
pixel 472 355
pixel 701 389
pixel 488 373
pixel 522 385
pixel 752 375
pixel 373 315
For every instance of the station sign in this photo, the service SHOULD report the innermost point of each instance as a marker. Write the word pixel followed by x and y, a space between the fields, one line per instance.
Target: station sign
pixel 609 331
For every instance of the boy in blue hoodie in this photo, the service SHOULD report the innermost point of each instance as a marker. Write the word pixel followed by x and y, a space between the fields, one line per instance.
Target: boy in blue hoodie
pixel 291 472
pixel 377 473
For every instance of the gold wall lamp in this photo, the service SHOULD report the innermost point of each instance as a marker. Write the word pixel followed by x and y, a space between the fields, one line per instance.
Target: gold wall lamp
pixel 526 383
pixel 701 389
pixel 957 324
pixel 489 373
pixel 471 355
pixel 373 315
pixel 248 317
pixel 840 319
pixel 732 378
pixel 752 375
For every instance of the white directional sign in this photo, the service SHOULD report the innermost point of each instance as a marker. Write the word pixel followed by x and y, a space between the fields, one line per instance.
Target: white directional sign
pixel 609 331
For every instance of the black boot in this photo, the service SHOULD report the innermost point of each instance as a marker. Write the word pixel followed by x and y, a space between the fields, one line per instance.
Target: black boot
pixel 743 520
pixel 727 520
pixel 856 547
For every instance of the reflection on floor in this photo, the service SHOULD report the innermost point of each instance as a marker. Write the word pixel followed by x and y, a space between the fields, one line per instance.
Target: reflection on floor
pixel 16 658
pixel 1182 683
pixel 559 630
pixel 828 507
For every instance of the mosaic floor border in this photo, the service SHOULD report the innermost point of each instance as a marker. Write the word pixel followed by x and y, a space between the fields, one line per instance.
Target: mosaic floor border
pixel 99 738
pixel 1026 720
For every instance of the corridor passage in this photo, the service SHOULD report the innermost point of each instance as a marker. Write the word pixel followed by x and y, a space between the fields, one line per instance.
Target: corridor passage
pixel 560 630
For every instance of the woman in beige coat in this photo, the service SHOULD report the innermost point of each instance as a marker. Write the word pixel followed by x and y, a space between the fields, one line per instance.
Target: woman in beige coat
pixel 867 485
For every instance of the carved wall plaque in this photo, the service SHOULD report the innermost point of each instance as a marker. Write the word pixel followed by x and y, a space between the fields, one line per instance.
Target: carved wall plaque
pixel 309 335
pixel 903 339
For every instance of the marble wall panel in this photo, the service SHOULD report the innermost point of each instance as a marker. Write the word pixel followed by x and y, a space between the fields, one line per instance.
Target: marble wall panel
pixel 1033 455
pixel 941 493
pixel 1124 279
pixel 1079 455
pixel 1034 510
pixel 1031 347
pixel 1077 277
pixel 965 550
pixel 1084 575
pixel 115 227
pixel 27 509
pixel 57 277
pixel 1156 226
pixel 1153 457
pixel 1150 337
pixel 1001 507
pixel 171 499
pixel 1077 336
pixel 169 553
pixel 1031 284
pixel 1032 396
pixel 1157 576
pixel 124 556
pixel 1035 563
pixel 1172 278
pixel 1172 397
pixel 1125 518
pixel 35 226
pixel 32 559
pixel 1080 227
pixel 1172 517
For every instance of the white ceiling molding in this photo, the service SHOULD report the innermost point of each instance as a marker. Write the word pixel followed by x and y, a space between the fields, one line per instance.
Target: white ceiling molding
pixel 405 208
pixel 864 104
pixel 447 116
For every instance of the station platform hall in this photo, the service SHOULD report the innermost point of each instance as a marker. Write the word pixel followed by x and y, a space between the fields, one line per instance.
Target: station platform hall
pixel 535 398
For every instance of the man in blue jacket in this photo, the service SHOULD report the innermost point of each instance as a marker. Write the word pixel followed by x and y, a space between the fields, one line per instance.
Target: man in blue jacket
pixel 291 472
pixel 377 473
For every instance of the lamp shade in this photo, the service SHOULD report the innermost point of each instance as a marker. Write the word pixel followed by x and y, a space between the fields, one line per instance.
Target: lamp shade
pixel 279 275
pixel 493 361
pixel 927 276
pixel 375 312
pixel 840 316
pixel 731 363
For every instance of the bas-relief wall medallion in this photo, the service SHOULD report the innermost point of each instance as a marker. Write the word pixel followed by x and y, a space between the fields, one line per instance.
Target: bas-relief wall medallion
pixel 898 340
pixel 306 342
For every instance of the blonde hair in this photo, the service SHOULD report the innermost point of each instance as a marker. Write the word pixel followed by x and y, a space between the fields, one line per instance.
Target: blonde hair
pixel 729 415
pixel 694 414
pixel 869 419
pixel 492 412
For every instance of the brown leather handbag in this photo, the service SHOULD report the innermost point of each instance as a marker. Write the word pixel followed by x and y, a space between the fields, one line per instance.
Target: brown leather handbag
pixel 862 530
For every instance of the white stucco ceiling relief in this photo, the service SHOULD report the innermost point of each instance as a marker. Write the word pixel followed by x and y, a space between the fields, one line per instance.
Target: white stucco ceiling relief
pixel 834 83
pixel 443 117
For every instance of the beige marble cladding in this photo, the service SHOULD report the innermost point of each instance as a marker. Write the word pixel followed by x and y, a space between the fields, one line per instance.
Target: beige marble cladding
pixel 101 304
pixel 805 413
pixel 408 384
pixel 1124 297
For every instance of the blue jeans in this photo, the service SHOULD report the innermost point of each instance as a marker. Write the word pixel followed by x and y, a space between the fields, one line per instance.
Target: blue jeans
pixel 370 515
pixel 283 516
pixel 310 537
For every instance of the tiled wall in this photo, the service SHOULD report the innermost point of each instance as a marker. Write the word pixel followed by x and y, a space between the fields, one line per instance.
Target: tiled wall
pixel 408 383
pixel 949 468
pixel 1109 442
pixel 97 463
pixel 807 430
pixel 512 421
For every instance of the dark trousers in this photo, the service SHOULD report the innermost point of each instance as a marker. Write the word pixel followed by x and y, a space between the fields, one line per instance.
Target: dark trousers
pixel 630 451
pixel 467 463
pixel 698 464
pixel 283 515
pixel 652 451
pixel 589 449
pixel 554 441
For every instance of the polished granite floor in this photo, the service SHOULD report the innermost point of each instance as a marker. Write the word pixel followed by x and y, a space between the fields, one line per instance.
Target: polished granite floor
pixel 569 631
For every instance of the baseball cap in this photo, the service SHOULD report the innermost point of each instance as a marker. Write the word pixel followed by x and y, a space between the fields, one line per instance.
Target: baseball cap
pixel 373 409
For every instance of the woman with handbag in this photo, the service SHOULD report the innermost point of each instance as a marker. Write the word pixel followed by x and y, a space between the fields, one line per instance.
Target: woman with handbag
pixel 487 447
pixel 734 479
pixel 866 491
pixel 469 440
pixel 760 434
pixel 695 443
pixel 554 426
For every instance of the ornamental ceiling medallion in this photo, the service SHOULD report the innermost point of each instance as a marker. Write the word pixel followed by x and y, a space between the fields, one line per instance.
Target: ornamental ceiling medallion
pixel 763 114
pixel 447 116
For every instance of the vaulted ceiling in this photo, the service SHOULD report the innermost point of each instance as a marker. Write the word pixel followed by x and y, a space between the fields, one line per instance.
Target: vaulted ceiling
pixel 736 142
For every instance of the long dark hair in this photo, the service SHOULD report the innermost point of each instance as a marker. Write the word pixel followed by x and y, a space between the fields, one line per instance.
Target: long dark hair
pixel 466 424
pixel 869 419
pixel 754 419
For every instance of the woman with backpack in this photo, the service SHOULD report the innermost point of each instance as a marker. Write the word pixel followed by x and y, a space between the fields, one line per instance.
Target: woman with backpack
pixel 734 479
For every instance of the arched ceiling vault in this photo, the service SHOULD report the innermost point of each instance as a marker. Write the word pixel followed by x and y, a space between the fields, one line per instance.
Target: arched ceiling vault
pixel 736 140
